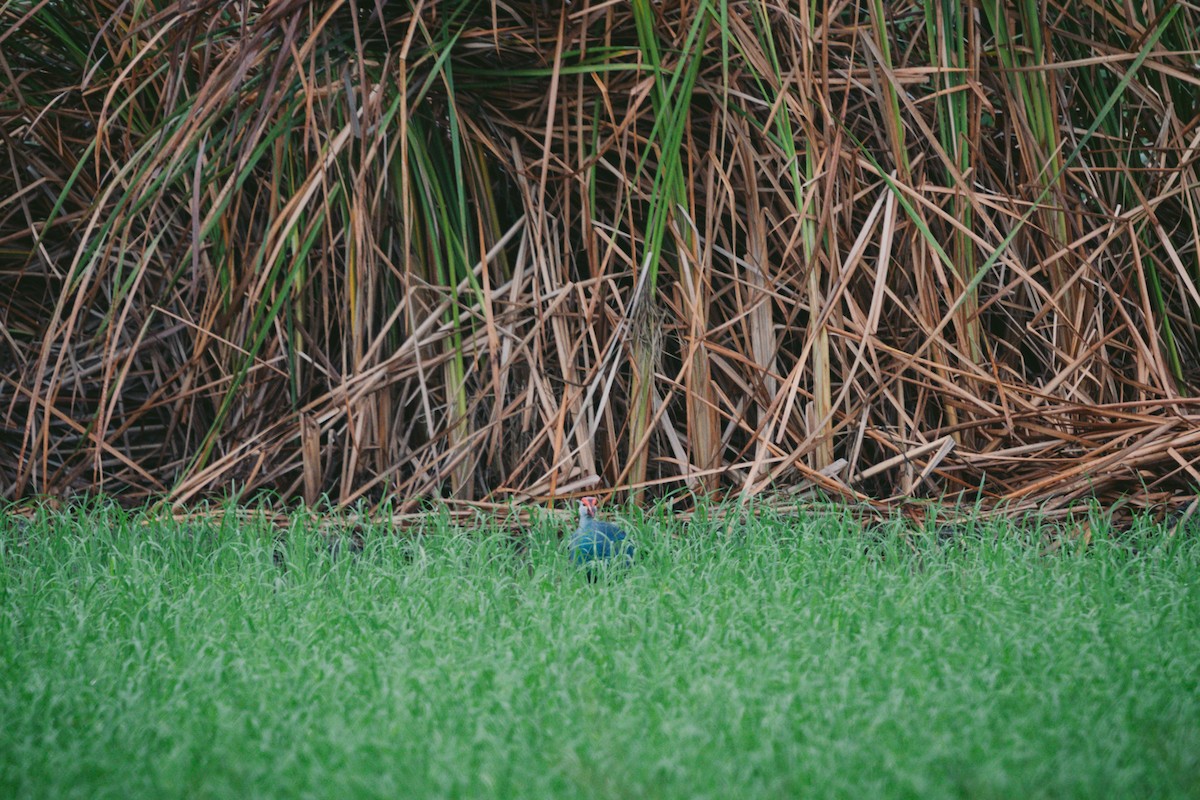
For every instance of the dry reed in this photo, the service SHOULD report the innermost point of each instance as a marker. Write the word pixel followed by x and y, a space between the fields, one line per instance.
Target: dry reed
pixel 477 250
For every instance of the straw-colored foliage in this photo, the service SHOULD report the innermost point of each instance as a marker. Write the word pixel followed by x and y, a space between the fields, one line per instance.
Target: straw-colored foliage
pixel 478 249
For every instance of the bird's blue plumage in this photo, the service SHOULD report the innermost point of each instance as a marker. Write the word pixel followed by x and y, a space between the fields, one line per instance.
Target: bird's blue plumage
pixel 595 540
pixel 598 540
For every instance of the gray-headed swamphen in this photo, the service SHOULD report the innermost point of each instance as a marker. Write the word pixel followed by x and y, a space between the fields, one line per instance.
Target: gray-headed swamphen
pixel 598 541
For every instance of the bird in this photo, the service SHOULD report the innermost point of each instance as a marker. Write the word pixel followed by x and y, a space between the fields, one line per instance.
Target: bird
pixel 595 540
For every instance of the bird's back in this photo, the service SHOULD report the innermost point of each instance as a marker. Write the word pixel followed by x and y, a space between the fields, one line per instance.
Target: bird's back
pixel 597 539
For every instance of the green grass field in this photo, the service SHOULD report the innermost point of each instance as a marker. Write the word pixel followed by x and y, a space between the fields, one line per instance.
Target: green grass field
pixel 795 658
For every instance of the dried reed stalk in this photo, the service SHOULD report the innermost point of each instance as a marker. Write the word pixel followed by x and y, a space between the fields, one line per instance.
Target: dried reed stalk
pixel 475 250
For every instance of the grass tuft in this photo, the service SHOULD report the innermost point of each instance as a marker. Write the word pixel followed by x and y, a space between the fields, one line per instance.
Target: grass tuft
pixel 797 654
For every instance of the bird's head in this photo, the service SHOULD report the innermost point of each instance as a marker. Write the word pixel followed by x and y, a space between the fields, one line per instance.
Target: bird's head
pixel 587 507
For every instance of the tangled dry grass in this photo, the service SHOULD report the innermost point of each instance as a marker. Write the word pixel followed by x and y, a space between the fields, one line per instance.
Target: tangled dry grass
pixel 479 250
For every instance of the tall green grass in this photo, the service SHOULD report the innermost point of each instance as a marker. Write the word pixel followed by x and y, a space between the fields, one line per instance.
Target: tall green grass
pixel 798 656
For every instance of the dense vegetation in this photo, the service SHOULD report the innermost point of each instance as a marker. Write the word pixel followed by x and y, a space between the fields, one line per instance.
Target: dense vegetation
pixel 799 656
pixel 467 249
